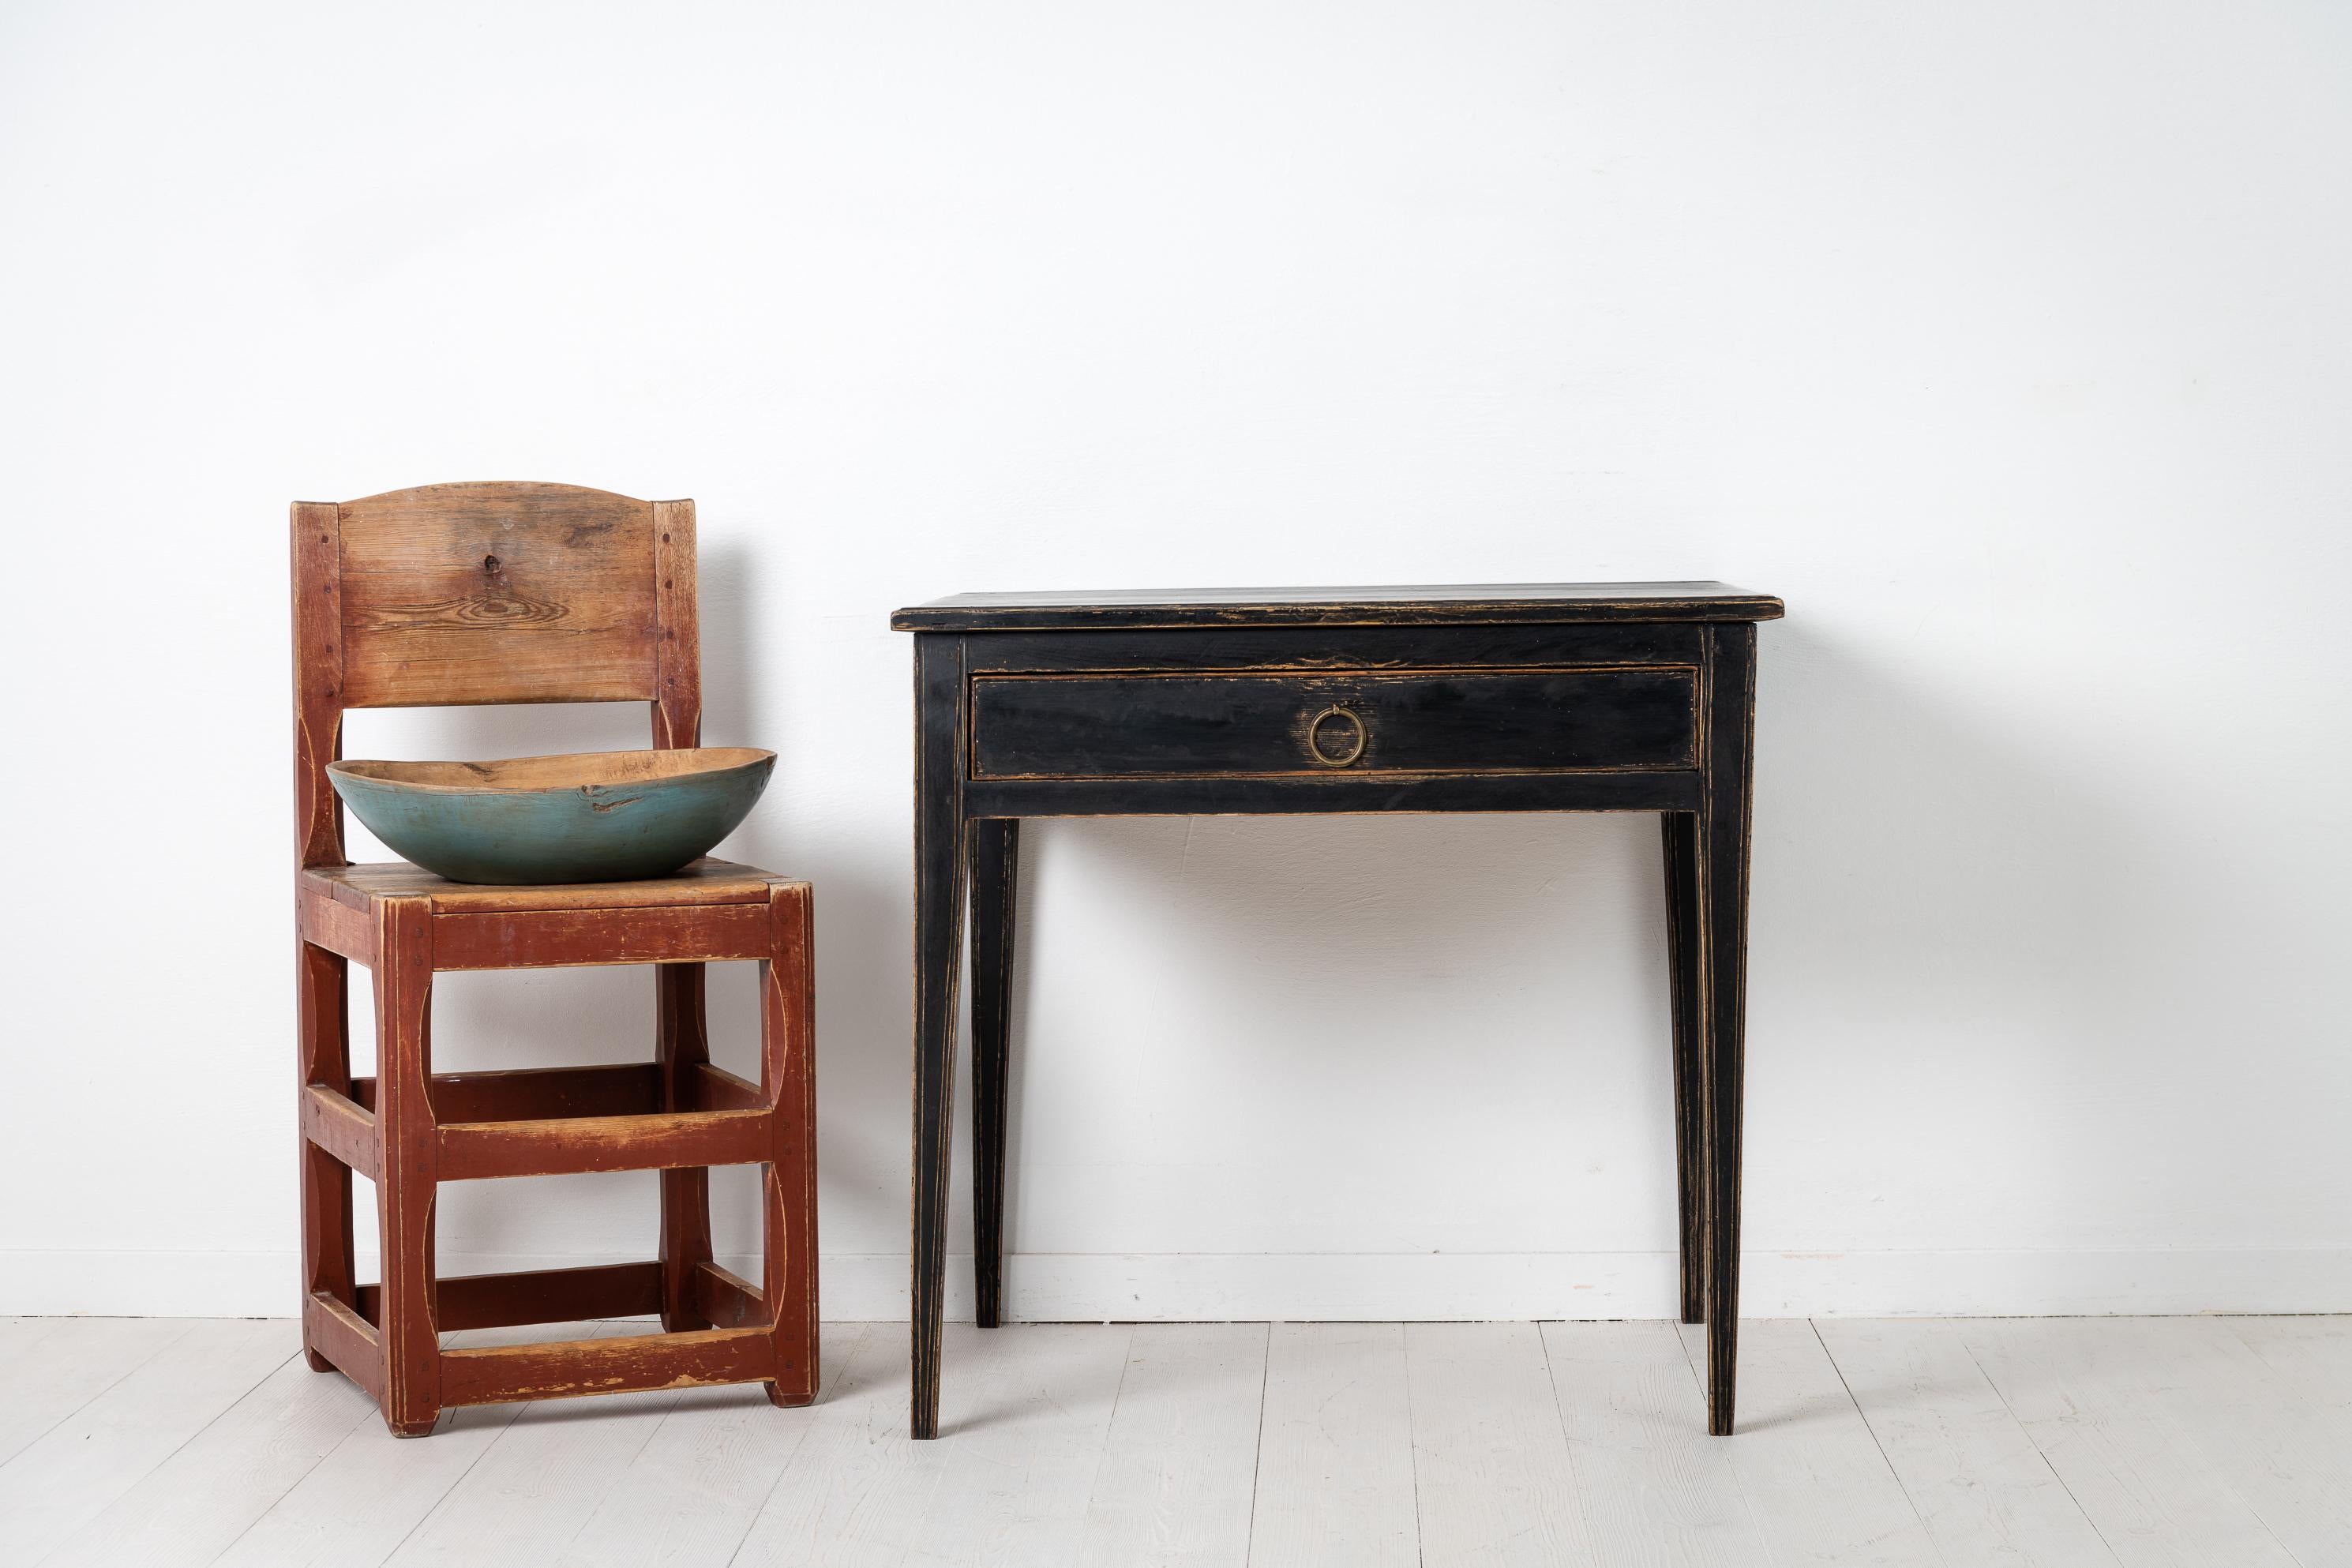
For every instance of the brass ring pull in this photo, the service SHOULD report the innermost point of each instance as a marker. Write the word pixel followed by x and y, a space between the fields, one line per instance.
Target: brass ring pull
pixel 1335 737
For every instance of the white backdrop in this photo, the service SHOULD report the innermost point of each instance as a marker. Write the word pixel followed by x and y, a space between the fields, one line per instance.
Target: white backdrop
pixel 2012 344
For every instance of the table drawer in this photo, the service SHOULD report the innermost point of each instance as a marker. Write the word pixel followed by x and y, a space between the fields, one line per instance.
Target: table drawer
pixel 1463 720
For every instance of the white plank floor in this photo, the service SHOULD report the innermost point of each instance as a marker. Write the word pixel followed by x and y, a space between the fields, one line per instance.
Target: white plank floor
pixel 2027 1443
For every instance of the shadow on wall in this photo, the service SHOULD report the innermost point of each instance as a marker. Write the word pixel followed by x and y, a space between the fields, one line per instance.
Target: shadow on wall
pixel 588 1016
pixel 1971 936
pixel 1975 947
pixel 1953 999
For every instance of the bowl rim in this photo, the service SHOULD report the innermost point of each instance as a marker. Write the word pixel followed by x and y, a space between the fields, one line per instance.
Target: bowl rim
pixel 363 769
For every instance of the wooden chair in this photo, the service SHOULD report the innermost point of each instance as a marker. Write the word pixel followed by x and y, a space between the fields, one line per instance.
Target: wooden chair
pixel 526 592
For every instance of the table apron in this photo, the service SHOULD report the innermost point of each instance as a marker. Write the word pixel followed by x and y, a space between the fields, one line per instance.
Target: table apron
pixel 1628 789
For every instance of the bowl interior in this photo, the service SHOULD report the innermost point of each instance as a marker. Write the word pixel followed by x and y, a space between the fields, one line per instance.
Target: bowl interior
pixel 573 770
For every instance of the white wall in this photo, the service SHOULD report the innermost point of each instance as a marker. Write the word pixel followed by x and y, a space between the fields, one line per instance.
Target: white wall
pixel 2011 343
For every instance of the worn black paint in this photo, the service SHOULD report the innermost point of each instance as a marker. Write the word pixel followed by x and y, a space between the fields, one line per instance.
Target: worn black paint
pixel 995 880
pixel 1337 790
pixel 1678 840
pixel 1079 726
pixel 939 953
pixel 1340 648
pixel 1723 826
pixel 1493 604
pixel 1622 697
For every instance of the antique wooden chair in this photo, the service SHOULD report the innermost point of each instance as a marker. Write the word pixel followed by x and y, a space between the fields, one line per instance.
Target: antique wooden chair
pixel 527 592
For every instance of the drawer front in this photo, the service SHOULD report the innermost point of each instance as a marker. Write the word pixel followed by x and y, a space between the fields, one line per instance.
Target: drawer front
pixel 1196 725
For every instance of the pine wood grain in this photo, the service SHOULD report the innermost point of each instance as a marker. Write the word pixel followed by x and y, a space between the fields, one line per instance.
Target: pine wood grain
pixel 677 625
pixel 555 939
pixel 788 1277
pixel 704 881
pixel 497 593
pixel 407 1157
pixel 316 531
pixel 571 1146
pixel 500 593
pixel 591 1292
pixel 571 1369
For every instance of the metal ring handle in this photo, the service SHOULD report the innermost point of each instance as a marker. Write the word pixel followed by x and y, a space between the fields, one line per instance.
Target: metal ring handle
pixel 1354 746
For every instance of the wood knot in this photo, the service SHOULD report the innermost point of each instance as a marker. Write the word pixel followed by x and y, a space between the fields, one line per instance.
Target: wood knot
pixel 490 562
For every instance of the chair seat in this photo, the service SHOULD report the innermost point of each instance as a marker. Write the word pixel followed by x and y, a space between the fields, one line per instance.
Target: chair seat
pixel 704 882
pixel 713 911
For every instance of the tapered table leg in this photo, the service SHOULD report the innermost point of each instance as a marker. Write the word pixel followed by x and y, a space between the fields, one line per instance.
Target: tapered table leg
pixel 1727 766
pixel 1678 833
pixel 995 876
pixel 938 953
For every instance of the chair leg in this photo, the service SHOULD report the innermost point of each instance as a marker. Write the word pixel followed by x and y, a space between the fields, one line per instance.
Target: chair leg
pixel 322 1013
pixel 406 1176
pixel 681 1046
pixel 788 1075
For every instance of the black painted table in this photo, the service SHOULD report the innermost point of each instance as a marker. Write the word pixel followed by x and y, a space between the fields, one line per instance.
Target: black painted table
pixel 1548 696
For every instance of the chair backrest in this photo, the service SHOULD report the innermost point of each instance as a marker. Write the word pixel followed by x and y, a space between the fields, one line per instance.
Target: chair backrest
pixel 485 592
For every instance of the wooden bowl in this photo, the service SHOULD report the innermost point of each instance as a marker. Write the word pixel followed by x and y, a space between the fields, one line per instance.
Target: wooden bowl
pixel 596 816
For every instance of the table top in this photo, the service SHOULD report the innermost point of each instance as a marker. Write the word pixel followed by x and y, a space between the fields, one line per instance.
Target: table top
pixel 1426 604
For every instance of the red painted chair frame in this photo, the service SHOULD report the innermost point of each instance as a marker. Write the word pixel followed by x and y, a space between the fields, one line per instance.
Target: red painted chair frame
pixel 514 592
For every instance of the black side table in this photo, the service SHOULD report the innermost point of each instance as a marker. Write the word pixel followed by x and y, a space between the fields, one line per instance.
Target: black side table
pixel 1548 696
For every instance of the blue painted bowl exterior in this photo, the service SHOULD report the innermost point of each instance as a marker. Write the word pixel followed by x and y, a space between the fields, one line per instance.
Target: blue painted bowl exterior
pixel 613 831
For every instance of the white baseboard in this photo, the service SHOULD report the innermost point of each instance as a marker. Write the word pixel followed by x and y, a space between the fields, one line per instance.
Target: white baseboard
pixel 1223 1286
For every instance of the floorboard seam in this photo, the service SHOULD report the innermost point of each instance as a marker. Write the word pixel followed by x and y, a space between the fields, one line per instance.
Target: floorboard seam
pixel 288 1491
pixel 1412 1444
pixel 2038 1453
pixel 95 1397
pixel 1257 1454
pixel 825 1388
pixel 1568 1445
pixel 1900 1484
pixel 455 1481
pixel 141 1479
pixel 2219 1472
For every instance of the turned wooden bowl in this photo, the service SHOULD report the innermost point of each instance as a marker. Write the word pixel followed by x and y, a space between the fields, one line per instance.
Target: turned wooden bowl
pixel 595 817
